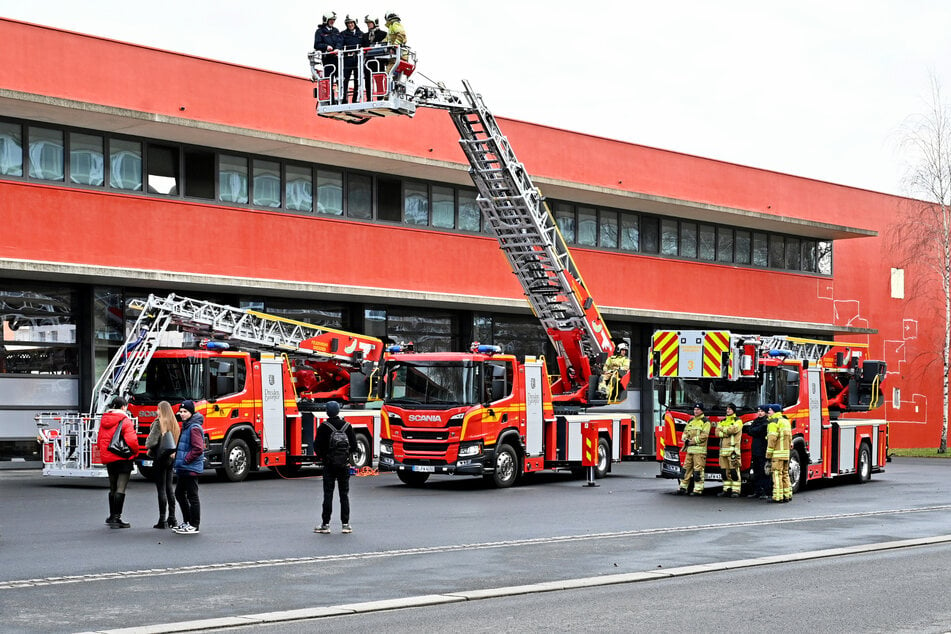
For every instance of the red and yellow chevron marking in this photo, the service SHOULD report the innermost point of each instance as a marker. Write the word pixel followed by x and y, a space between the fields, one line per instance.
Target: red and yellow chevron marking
pixel 667 344
pixel 715 343
pixel 590 452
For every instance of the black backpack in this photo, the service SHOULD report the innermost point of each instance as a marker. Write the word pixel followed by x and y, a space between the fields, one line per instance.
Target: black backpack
pixel 338 449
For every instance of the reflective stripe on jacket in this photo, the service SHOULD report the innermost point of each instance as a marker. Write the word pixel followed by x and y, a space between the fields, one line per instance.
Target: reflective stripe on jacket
pixel 697 431
pixel 778 437
pixel 730 432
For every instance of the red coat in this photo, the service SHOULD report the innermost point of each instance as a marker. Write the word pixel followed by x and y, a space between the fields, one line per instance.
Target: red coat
pixel 107 427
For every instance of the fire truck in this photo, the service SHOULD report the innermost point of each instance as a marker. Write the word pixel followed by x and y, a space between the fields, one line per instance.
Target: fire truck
pixel 482 412
pixel 242 370
pixel 822 386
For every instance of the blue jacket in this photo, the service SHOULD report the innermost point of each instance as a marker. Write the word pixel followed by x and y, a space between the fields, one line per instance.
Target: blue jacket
pixel 327 36
pixel 190 456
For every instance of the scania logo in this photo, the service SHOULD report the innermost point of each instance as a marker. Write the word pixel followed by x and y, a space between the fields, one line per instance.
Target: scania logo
pixel 425 418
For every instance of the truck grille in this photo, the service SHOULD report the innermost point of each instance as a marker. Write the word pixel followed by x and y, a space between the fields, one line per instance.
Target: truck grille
pixel 426 447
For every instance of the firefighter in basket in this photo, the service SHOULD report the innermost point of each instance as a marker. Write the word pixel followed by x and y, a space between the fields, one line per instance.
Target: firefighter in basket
pixel 695 436
pixel 614 368
pixel 730 433
pixel 779 440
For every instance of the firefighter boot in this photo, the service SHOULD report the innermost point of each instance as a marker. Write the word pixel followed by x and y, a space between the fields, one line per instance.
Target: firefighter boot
pixel 117 519
pixel 697 483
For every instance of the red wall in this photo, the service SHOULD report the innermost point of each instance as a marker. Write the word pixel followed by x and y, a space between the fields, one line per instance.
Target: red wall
pixel 52 223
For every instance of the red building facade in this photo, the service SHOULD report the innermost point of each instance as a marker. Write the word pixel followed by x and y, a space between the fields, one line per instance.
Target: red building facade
pixel 126 170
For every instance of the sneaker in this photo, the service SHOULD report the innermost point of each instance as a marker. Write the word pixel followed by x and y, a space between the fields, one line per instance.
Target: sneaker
pixel 323 528
pixel 186 529
pixel 346 529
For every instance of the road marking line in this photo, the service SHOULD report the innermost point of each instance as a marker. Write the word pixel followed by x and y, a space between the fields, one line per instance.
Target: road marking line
pixel 535 541
pixel 489 593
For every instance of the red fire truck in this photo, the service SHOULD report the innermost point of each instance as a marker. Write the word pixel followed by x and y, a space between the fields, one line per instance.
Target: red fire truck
pixel 483 412
pixel 239 373
pixel 822 386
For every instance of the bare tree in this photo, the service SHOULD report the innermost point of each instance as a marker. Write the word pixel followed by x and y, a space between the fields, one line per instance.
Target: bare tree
pixel 923 226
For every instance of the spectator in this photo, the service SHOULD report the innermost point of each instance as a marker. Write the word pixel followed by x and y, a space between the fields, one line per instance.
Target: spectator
pixel 189 464
pixel 351 38
pixel 335 444
pixel 118 467
pixel 761 485
pixel 373 38
pixel 327 42
pixel 162 463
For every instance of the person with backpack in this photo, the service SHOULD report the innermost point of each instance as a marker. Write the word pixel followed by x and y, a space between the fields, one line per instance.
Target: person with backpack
pixel 335 444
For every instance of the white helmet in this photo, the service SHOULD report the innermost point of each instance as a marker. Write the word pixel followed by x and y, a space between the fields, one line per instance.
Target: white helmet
pixel 391 16
pixel 332 15
pixel 349 19
pixel 367 18
pixel 622 346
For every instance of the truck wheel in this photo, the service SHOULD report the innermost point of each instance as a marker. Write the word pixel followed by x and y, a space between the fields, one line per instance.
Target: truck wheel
pixel 604 459
pixel 236 461
pixel 796 476
pixel 506 467
pixel 412 478
pixel 362 456
pixel 864 473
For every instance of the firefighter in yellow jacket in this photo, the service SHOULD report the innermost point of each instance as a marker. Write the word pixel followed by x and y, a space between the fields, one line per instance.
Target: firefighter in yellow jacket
pixel 730 433
pixel 695 436
pixel 779 442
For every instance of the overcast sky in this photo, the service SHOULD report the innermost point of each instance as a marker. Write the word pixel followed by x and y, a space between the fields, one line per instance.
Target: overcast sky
pixel 812 88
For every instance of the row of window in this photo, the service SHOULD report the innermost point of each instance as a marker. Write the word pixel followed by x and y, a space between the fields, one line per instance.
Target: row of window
pixel 159 168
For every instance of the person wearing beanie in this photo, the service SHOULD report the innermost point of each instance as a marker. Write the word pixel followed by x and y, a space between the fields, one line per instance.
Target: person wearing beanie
pixel 762 486
pixel 335 445
pixel 695 436
pixel 189 464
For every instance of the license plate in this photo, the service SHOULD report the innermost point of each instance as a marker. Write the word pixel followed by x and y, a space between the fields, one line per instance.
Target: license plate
pixel 713 476
pixel 424 468
pixel 146 463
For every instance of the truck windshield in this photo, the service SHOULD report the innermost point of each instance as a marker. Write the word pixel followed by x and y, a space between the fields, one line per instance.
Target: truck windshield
pixel 715 395
pixel 173 380
pixel 433 383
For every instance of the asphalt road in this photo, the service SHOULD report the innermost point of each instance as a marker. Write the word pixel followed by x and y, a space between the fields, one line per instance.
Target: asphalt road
pixel 62 570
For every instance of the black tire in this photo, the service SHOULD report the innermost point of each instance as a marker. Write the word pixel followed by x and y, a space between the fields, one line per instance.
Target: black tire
pixel 864 470
pixel 147 472
pixel 235 461
pixel 604 459
pixel 506 470
pixel 797 476
pixel 363 454
pixel 412 478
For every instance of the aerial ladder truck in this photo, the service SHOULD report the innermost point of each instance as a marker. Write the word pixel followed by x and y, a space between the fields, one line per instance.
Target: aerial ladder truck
pixel 243 373
pixel 483 412
pixel 823 387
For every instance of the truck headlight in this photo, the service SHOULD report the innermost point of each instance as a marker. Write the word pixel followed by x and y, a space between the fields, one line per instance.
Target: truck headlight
pixel 386 447
pixel 672 454
pixel 469 449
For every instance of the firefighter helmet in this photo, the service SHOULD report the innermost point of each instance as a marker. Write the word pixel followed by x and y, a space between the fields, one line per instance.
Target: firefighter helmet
pixel 368 18
pixel 389 17
pixel 348 19
pixel 622 346
pixel 331 15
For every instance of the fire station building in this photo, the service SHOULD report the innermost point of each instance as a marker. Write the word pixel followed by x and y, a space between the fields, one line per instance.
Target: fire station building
pixel 219 182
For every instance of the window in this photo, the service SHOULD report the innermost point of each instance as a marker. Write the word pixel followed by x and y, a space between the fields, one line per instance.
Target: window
pixel 470 216
pixel 565 219
pixel 299 188
pixel 708 243
pixel 359 196
pixel 809 256
pixel 232 179
pixel 416 203
pixel 724 244
pixel 668 237
pixel 330 192
pixel 741 246
pixel 630 232
pixel 777 251
pixel 650 234
pixel 46 154
pixel 824 257
pixel 200 173
pixel 267 183
pixel 389 197
pixel 607 232
pixel 11 149
pixel 125 164
pixel 86 160
pixel 444 203
pixel 688 240
pixel 37 331
pixel 587 227
pixel 793 254
pixel 163 169
pixel 760 250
